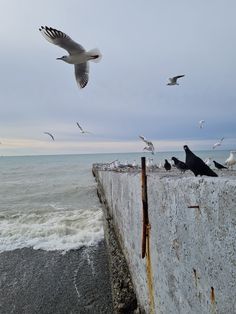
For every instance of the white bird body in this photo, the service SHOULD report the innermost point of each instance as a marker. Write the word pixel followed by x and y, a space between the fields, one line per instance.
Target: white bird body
pixel 208 161
pixel 77 54
pixel 231 161
pixel 201 122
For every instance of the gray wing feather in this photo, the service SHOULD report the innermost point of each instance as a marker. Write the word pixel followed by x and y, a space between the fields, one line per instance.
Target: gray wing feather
pixel 60 39
pixel 81 74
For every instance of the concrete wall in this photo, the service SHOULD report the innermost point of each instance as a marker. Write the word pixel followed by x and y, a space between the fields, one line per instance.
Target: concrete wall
pixel 192 265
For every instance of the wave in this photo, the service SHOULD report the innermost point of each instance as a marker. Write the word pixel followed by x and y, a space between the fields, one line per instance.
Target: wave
pixel 52 228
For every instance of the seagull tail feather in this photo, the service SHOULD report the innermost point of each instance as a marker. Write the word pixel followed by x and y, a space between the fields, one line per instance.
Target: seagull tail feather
pixel 95 55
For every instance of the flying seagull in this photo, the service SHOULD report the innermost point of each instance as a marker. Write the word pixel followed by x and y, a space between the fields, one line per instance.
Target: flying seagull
pixel 81 129
pixel 77 54
pixel 231 161
pixel 201 122
pixel 52 137
pixel 173 80
pixel 150 146
pixel 218 143
pixel 197 165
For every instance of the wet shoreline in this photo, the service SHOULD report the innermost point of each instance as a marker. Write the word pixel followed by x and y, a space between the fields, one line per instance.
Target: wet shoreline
pixel 37 281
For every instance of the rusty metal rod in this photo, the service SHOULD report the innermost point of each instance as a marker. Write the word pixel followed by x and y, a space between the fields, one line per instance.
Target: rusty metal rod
pixel 145 206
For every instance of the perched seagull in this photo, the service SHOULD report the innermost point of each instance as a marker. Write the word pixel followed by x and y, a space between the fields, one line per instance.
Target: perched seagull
pixel 208 161
pixel 81 129
pixel 201 122
pixel 77 54
pixel 52 137
pixel 231 161
pixel 218 143
pixel 150 146
pixel 173 80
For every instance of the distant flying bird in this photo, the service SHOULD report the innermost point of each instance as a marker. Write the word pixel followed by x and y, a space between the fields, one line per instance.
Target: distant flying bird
pixel 197 165
pixel 180 164
pixel 77 54
pixel 231 161
pixel 52 137
pixel 150 146
pixel 201 122
pixel 218 143
pixel 81 129
pixel 173 80
pixel 219 166
pixel 167 165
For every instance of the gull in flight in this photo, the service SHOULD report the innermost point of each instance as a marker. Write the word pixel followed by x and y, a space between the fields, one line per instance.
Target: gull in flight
pixel 52 137
pixel 218 143
pixel 81 129
pixel 201 122
pixel 77 54
pixel 173 80
pixel 149 147
pixel 231 161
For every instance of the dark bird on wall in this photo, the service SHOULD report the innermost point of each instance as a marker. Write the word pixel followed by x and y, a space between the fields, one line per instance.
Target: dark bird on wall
pixel 197 165
pixel 167 165
pixel 180 164
pixel 77 54
pixel 52 137
pixel 219 166
pixel 173 80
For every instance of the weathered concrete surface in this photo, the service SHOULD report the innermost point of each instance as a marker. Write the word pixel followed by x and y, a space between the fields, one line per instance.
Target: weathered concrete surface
pixel 192 249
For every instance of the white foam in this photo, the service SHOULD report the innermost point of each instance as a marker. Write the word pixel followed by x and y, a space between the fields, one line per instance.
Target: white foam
pixel 50 230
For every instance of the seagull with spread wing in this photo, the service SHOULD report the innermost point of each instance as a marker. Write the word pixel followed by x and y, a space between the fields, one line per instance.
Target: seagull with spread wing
pixel 173 80
pixel 52 137
pixel 218 143
pixel 77 54
pixel 81 129
pixel 150 146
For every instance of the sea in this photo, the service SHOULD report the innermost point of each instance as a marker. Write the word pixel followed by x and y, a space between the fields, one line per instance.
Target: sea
pixel 49 209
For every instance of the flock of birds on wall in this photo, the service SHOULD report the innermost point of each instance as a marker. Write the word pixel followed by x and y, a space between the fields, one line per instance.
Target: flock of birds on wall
pixel 79 57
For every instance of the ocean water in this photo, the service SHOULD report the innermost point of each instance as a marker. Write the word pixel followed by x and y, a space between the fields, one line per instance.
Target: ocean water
pixel 50 202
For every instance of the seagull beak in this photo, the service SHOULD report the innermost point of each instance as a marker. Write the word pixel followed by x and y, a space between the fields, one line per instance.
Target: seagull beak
pixel 59 58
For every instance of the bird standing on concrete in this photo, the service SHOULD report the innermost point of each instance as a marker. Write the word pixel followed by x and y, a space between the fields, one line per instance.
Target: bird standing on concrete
pixel 208 161
pixel 167 165
pixel 231 161
pixel 77 54
pixel 219 166
pixel 173 80
pixel 197 165
pixel 180 164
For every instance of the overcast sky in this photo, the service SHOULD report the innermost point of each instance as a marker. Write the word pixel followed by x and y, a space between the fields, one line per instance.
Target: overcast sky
pixel 143 43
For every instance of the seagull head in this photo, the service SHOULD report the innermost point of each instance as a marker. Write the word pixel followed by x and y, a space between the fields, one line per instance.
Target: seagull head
pixel 63 58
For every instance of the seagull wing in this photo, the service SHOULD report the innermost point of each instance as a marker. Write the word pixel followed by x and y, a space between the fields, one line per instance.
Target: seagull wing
pixel 144 139
pixel 60 39
pixel 50 135
pixel 79 126
pixel 81 74
pixel 175 78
